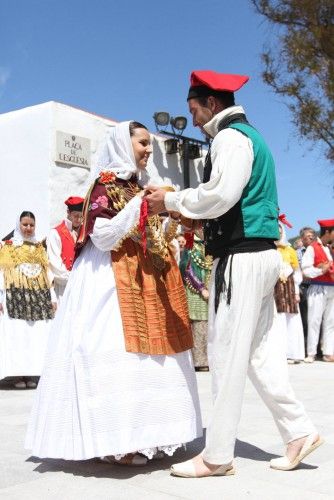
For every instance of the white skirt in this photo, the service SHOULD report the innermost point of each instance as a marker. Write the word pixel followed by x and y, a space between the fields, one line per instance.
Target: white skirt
pixel 22 345
pixel 96 399
pixel 292 328
pixel 296 342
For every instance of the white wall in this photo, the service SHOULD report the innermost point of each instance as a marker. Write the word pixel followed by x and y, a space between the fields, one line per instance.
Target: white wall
pixel 32 180
pixel 66 180
pixel 24 164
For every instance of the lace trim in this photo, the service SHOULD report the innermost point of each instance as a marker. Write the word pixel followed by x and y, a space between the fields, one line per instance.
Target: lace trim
pixel 150 452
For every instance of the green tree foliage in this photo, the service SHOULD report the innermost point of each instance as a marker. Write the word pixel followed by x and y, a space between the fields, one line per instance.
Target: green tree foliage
pixel 300 67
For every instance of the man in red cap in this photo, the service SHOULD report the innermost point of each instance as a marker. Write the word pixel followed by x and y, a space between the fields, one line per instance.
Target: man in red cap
pixel 237 203
pixel 318 267
pixel 61 243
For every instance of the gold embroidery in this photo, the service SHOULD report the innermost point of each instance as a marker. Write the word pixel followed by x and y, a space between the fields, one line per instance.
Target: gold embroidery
pixel 157 239
pixel 12 257
pixel 171 230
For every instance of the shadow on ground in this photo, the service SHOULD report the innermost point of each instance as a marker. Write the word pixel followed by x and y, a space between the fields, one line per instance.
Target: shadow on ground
pixel 95 468
pixel 7 384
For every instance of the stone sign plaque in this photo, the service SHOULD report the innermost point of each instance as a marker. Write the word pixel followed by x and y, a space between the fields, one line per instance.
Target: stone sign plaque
pixel 72 150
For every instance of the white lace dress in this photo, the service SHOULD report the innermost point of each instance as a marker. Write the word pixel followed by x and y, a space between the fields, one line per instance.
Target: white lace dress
pixel 94 398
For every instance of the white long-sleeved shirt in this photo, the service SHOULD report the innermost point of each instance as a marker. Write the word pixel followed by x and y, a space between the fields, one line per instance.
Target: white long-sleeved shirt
pixel 107 233
pixel 232 158
pixel 54 248
pixel 308 268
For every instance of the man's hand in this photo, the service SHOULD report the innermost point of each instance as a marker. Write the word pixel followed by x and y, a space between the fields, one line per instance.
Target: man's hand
pixel 156 200
pixel 324 266
pixel 1 309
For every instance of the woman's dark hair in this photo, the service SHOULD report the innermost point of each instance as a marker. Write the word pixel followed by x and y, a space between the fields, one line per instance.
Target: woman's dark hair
pixel 134 125
pixel 27 214
pixel 8 236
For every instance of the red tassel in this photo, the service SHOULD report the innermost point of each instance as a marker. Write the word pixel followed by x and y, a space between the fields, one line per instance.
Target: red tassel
pixel 142 222
pixel 189 240
pixel 284 220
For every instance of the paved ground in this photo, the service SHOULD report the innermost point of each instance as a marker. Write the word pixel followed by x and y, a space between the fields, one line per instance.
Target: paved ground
pixel 26 478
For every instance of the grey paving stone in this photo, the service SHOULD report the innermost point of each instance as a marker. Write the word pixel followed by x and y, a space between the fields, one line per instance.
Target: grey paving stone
pixel 27 478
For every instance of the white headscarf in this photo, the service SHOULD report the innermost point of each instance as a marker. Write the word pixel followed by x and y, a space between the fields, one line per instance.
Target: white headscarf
pixel 116 154
pixel 18 237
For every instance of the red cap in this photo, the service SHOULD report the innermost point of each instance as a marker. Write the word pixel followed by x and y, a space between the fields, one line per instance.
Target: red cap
pixel 75 203
pixel 218 81
pixel 326 223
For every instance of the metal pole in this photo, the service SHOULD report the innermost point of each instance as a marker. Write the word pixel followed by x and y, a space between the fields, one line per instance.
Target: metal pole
pixel 185 160
pixel 185 152
pixel 183 137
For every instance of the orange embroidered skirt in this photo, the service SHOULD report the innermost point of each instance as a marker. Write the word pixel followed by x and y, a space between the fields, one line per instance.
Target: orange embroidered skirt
pixel 152 302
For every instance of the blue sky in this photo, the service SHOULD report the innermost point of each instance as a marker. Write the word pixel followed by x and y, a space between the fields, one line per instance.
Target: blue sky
pixel 126 59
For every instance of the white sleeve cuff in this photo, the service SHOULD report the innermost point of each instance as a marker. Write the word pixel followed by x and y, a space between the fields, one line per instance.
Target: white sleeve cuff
pixel 172 202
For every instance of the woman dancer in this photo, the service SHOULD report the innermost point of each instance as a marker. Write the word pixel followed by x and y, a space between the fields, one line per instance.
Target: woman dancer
pixel 27 304
pixel 287 297
pixel 195 268
pixel 118 376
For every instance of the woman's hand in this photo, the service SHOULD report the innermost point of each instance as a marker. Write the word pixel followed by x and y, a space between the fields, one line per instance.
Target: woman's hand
pixel 205 293
pixel 1 309
pixel 54 307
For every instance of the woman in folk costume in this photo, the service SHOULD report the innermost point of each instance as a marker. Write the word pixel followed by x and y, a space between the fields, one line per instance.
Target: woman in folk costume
pixel 287 296
pixel 195 268
pixel 27 304
pixel 119 377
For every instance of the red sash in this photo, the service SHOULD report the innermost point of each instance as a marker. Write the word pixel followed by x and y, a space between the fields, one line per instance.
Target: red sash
pixel 67 245
pixel 320 257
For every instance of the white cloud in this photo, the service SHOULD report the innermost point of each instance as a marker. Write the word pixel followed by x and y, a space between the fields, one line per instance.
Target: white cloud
pixel 4 76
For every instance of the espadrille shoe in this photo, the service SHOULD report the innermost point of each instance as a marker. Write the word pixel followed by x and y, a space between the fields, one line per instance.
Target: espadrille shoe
pixel 187 469
pixel 312 442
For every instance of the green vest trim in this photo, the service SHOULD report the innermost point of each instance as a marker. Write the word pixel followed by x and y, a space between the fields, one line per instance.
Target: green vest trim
pixel 259 203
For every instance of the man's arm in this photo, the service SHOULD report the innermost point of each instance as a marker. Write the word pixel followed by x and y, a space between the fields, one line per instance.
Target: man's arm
pixel 56 264
pixel 232 159
pixel 308 268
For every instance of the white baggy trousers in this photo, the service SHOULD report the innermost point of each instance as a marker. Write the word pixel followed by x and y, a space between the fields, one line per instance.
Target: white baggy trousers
pixel 242 339
pixel 320 308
